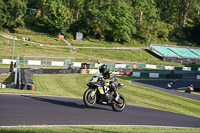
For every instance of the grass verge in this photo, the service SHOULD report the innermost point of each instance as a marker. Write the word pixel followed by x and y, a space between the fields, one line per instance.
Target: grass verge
pixel 98 129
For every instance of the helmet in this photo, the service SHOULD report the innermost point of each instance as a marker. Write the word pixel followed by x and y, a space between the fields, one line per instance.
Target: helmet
pixel 102 68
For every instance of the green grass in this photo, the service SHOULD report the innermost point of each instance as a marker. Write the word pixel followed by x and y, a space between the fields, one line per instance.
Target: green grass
pixel 6 78
pixel 74 85
pixel 99 43
pixel 24 48
pixel 94 43
pixel 125 55
pixel 44 39
pixel 98 129
pixel 41 39
pixel 82 55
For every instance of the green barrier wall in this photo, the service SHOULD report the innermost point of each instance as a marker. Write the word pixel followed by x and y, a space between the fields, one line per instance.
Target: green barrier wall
pixel 144 75
pixel 194 69
pixel 178 68
pixel 160 67
pixel 162 75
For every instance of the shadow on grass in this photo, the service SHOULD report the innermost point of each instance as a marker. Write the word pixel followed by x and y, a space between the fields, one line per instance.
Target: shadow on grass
pixel 9 79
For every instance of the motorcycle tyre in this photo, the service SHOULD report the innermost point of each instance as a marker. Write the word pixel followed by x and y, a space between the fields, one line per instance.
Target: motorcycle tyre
pixel 85 96
pixel 114 105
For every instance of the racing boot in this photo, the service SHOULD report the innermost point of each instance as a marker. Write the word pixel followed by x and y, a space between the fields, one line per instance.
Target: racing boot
pixel 117 96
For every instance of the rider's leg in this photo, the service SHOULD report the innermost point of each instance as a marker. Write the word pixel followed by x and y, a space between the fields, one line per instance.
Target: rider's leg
pixel 115 91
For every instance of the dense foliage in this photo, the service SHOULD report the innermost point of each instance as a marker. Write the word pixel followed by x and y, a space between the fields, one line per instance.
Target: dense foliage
pixel 146 21
pixel 12 12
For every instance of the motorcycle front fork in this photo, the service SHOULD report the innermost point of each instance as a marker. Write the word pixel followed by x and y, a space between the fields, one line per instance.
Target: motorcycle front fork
pixel 93 93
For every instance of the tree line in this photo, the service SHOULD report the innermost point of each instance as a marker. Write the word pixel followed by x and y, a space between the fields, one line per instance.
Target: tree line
pixel 110 20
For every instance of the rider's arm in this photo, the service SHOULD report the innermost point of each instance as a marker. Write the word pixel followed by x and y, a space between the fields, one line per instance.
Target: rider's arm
pixel 111 77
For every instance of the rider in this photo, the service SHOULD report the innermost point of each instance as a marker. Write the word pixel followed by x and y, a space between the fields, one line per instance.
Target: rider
pixel 109 77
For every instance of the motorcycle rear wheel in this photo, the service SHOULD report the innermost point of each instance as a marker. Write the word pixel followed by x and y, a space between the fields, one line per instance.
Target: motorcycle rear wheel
pixel 87 99
pixel 119 107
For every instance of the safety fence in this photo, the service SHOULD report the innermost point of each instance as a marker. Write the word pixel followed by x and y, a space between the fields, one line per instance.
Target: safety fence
pixel 69 63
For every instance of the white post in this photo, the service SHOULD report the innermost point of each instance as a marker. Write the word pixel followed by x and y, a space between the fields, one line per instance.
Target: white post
pixel 13 48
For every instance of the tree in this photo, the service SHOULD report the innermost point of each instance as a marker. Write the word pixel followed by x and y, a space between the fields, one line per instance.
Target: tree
pixel 110 20
pixel 121 21
pixel 75 7
pixel 184 9
pixel 35 4
pixel 13 13
pixel 55 16
pixel 3 13
pixel 174 11
pixel 147 18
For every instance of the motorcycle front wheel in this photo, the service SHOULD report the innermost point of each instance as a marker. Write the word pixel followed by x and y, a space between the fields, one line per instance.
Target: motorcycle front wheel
pixel 89 99
pixel 119 107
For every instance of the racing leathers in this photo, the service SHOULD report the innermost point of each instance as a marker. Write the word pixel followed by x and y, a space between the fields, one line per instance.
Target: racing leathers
pixel 110 78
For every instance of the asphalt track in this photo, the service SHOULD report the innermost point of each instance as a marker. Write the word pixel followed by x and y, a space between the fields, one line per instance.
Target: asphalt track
pixel 4 70
pixel 27 110
pixel 162 84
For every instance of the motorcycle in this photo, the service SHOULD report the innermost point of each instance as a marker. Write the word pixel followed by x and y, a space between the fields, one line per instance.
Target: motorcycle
pixel 100 92
pixel 189 89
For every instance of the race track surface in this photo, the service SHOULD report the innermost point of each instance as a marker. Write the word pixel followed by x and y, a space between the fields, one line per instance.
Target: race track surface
pixel 162 84
pixel 18 110
pixel 4 70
